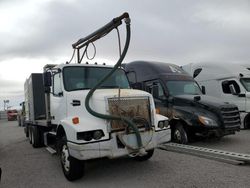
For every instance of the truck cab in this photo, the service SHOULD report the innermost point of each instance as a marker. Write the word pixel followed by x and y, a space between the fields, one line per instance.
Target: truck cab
pixel 57 116
pixel 227 81
pixel 179 97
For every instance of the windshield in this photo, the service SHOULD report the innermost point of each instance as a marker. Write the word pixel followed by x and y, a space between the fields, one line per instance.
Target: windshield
pixel 180 87
pixel 78 78
pixel 246 83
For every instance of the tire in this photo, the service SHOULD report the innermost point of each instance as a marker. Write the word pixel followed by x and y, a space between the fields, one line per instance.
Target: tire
pixel 179 134
pixel 73 168
pixel 26 131
pixel 246 122
pixel 145 157
pixel 29 133
pixel 36 137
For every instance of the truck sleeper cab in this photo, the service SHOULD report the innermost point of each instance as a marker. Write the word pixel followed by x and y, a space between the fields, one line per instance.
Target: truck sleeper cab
pixel 227 81
pixel 78 136
pixel 180 98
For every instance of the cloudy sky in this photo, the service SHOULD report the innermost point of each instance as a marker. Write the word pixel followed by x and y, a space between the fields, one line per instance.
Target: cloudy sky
pixel 34 33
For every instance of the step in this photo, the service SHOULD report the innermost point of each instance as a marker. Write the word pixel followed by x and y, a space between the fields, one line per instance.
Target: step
pixel 51 150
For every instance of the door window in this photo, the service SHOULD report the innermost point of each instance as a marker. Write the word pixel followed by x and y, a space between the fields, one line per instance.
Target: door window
pixel 57 88
pixel 157 88
pixel 160 91
pixel 226 86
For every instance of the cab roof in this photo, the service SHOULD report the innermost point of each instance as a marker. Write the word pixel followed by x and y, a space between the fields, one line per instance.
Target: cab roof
pixel 218 70
pixel 149 70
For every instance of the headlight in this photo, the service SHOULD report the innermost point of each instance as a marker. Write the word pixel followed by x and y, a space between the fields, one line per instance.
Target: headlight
pixel 166 123
pixel 97 135
pixel 207 121
pixel 162 124
pixel 89 135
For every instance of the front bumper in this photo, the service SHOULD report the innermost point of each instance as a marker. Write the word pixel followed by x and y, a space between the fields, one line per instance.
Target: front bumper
pixel 112 148
pixel 215 131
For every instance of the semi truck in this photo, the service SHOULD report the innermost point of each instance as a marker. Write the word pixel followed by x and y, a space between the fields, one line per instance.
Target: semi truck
pixel 88 111
pixel 179 97
pixel 228 81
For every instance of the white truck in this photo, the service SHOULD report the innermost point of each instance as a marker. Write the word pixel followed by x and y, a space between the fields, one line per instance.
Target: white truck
pixel 228 81
pixel 74 111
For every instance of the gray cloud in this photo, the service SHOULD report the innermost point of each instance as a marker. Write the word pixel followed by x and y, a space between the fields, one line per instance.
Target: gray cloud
pixel 8 88
pixel 172 31
pixel 167 29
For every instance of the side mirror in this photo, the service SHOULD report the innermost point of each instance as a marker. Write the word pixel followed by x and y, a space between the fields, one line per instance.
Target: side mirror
pixel 203 90
pixel 232 89
pixel 47 79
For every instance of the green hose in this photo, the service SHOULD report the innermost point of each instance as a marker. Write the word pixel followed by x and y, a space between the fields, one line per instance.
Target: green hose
pixel 111 117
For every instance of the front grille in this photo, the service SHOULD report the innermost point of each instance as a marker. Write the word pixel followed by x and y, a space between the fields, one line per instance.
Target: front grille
pixel 230 116
pixel 130 108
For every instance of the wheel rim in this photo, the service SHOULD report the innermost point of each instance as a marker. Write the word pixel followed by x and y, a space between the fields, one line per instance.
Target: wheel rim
pixel 177 135
pixel 65 158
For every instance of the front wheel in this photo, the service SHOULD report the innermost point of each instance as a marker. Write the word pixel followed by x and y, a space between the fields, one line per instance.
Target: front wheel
pixel 179 134
pixel 246 123
pixel 73 168
pixel 145 157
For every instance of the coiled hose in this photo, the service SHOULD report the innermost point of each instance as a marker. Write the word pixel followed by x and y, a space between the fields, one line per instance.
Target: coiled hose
pixel 130 123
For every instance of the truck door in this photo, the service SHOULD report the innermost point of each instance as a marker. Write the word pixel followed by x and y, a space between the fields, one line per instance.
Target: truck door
pixel 57 100
pixel 238 98
pixel 245 83
pixel 160 99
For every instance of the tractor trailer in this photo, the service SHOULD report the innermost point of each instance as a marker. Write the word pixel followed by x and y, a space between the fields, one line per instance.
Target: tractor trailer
pixel 179 97
pixel 228 81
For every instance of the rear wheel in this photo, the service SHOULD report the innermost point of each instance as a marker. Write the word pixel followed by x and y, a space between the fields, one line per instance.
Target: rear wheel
pixel 145 157
pixel 179 134
pixel 19 121
pixel 29 133
pixel 36 140
pixel 26 131
pixel 73 168
pixel 247 122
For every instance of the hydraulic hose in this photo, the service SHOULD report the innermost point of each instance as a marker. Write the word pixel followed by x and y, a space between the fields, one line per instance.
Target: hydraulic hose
pixel 129 123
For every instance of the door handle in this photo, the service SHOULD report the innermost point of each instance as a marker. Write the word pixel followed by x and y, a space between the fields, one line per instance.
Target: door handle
pixel 75 103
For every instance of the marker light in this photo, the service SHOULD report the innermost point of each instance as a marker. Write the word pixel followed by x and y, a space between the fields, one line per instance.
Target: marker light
pixel 75 120
pixel 157 111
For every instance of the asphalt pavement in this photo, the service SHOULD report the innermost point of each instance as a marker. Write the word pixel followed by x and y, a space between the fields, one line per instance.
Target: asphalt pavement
pixel 26 167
